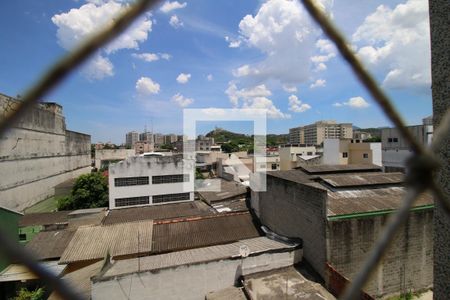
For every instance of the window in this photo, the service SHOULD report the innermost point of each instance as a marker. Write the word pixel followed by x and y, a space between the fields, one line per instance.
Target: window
pixel 365 155
pixel 344 154
pixel 274 166
pixel 309 153
pixel 170 178
pixel 132 201
pixel 171 197
pixel 395 140
pixel 389 140
pixel 22 237
pixel 129 181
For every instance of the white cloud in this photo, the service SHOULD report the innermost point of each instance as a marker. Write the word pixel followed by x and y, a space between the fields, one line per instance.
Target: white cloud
pixel 169 6
pixel 284 32
pixel 318 83
pixel 290 88
pixel 233 43
pixel 181 100
pixel 78 23
pixel 98 68
pixel 183 78
pixel 354 102
pixel 209 77
pixel 397 43
pixel 296 105
pixel 175 22
pixel 146 86
pixel 254 97
pixel 149 57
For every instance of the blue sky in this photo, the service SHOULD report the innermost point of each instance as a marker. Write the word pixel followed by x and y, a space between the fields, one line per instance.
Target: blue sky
pixel 220 54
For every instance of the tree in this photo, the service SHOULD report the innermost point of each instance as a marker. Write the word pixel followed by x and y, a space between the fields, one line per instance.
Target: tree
pixel 24 294
pixel 374 139
pixel 89 191
pixel 230 147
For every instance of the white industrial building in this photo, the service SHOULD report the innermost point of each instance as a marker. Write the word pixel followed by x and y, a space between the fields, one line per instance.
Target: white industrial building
pixel 150 180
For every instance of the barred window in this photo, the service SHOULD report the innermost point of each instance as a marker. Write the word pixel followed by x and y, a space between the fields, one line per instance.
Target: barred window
pixel 171 197
pixel 129 181
pixel 170 178
pixel 132 201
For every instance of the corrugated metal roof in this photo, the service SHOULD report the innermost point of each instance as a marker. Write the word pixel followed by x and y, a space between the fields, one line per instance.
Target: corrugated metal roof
pixel 211 253
pixel 321 169
pixel 15 272
pixel 370 200
pixel 50 244
pixel 291 175
pixel 44 218
pixel 347 180
pixel 157 212
pixel 203 232
pixel 80 280
pixel 228 190
pixel 93 242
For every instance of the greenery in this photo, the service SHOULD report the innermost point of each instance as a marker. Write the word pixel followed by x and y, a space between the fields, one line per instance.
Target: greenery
pixel 198 174
pixel 167 146
pixel 374 139
pixel 24 294
pixel 89 191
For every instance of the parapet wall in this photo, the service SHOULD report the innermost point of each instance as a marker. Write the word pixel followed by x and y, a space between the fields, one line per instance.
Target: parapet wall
pixel 37 154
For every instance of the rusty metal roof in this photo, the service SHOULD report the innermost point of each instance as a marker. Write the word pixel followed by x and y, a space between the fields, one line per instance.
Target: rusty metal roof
pixel 157 212
pixel 368 179
pixel 46 218
pixel 49 244
pixel 93 242
pixel 228 190
pixel 291 175
pixel 179 258
pixel 202 232
pixel 330 169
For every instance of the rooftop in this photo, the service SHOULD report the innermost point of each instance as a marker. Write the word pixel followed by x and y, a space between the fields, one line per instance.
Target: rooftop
pixel 15 272
pixel 212 253
pixel 49 244
pixel 157 212
pixel 228 190
pixel 93 242
pixel 45 218
pixel 203 231
pixel 368 179
pixel 330 169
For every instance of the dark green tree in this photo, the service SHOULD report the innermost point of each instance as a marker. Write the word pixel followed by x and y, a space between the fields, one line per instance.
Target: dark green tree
pixel 89 191
pixel 24 294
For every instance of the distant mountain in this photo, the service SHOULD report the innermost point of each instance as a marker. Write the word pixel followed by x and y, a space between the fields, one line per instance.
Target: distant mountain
pixel 221 135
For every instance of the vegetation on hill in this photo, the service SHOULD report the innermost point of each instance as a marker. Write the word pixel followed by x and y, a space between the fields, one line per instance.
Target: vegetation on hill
pixel 89 191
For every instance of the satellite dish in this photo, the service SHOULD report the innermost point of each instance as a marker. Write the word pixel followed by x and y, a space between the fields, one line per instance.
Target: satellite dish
pixel 244 250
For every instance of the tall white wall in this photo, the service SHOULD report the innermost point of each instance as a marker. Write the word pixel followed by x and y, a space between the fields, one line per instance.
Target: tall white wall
pixel 331 152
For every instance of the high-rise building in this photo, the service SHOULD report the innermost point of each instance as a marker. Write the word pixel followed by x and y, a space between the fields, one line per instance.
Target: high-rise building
pixel 170 138
pixel 158 138
pixel 146 137
pixel 131 138
pixel 314 134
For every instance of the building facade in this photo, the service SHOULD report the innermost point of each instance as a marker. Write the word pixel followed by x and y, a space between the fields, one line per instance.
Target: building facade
pixel 344 152
pixel 38 153
pixel 396 150
pixel 314 134
pixel 131 138
pixel 290 155
pixel 150 180
pixel 146 137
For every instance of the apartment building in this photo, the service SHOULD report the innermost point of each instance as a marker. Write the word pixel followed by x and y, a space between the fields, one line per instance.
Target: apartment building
pixel 396 150
pixel 150 180
pixel 292 155
pixel 170 138
pixel 131 138
pixel 146 137
pixel 204 143
pixel 314 134
pixel 347 152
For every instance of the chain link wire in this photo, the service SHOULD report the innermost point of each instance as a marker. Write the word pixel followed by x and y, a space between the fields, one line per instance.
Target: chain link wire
pixel 420 167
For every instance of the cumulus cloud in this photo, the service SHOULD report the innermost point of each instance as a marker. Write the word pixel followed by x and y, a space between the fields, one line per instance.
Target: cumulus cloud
pixel 183 78
pixel 78 23
pixel 289 88
pixel 296 105
pixel 170 6
pixel 98 68
pixel 175 22
pixel 354 102
pixel 181 100
pixel 145 86
pixel 149 57
pixel 255 98
pixel 397 43
pixel 318 83
pixel 233 43
pixel 209 77
pixel 284 32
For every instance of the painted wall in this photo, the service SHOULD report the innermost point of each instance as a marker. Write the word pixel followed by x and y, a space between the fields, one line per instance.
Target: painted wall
pixel 408 261
pixel 189 282
pixel 37 154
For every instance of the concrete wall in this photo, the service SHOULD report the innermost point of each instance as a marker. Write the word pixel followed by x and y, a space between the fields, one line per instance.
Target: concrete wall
pixel 408 261
pixel 37 154
pixel 150 166
pixel 112 154
pixel 288 155
pixel 295 210
pixel 395 158
pixel 189 282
